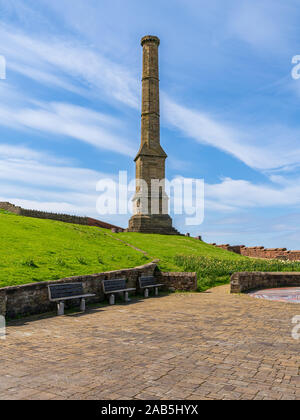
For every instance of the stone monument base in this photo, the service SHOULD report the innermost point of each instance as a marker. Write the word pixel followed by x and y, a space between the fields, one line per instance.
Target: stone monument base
pixel 160 223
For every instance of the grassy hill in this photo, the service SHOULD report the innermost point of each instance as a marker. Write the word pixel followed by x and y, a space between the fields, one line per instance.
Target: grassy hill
pixel 213 265
pixel 40 250
pixel 166 248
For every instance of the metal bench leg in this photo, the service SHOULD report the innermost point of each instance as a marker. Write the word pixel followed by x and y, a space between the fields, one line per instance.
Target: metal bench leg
pixel 146 294
pixel 156 291
pixel 111 299
pixel 82 305
pixel 61 308
pixel 126 297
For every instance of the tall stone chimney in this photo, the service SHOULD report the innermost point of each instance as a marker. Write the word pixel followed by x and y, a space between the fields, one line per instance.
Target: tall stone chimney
pixel 150 202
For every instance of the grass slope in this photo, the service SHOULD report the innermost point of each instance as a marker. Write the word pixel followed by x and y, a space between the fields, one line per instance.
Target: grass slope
pixel 213 265
pixel 166 248
pixel 39 250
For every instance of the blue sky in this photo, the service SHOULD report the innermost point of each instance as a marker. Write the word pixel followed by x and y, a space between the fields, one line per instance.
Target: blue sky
pixel 70 107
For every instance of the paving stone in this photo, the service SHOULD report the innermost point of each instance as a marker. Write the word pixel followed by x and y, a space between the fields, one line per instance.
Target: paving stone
pixel 196 346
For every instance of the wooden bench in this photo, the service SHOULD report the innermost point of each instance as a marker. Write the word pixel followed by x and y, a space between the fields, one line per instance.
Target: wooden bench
pixel 147 283
pixel 66 291
pixel 111 287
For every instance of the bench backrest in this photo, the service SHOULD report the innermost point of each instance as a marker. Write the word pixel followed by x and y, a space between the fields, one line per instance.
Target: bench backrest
pixel 147 281
pixel 114 285
pixel 57 291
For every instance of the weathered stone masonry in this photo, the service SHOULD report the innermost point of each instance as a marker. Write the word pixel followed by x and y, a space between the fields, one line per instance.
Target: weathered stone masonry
pixel 261 252
pixel 246 281
pixel 33 298
pixel 150 204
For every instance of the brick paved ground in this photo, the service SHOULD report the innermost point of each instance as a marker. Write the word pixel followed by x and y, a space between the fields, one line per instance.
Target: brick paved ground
pixel 196 346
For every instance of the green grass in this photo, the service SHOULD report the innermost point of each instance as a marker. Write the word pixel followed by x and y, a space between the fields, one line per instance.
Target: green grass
pixel 33 250
pixel 213 265
pixel 214 271
pixel 166 248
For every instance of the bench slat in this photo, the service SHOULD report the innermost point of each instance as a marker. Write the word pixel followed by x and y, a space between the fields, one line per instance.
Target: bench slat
pixel 119 291
pixel 148 281
pixel 71 297
pixel 57 291
pixel 114 285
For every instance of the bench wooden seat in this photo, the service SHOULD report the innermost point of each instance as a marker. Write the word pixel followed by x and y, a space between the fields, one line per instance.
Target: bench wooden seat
pixel 149 282
pixel 112 287
pixel 66 291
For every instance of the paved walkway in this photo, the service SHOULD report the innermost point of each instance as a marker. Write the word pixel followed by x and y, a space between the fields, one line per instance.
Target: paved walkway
pixel 283 294
pixel 195 346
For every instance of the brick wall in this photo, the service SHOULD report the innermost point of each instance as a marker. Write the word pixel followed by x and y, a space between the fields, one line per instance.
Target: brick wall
pixel 33 298
pixel 261 252
pixel 243 282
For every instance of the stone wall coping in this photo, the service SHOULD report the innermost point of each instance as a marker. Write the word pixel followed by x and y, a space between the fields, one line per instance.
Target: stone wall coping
pixel 255 280
pixel 178 274
pixel 273 273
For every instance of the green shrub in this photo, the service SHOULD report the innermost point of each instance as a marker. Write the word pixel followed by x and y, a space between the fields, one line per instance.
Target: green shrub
pixel 214 271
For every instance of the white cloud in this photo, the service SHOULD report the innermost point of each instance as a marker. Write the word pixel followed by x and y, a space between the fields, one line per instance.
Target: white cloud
pixel 261 23
pixel 16 152
pixel 240 194
pixel 35 172
pixel 52 206
pixel 36 180
pixel 67 64
pixel 72 121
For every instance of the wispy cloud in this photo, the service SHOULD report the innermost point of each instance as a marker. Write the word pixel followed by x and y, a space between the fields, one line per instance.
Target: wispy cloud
pixel 244 194
pixel 39 180
pixel 262 148
pixel 9 152
pixel 73 121
pixel 260 24
pixel 69 64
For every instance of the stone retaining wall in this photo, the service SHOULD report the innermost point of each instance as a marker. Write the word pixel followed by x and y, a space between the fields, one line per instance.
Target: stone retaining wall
pixel 33 298
pixel 243 282
pixel 178 281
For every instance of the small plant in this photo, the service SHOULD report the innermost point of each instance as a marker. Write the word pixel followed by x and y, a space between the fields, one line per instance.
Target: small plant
pixel 61 262
pixel 29 263
pixel 81 261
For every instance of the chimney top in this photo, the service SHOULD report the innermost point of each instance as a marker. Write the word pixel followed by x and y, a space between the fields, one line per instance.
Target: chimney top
pixel 150 38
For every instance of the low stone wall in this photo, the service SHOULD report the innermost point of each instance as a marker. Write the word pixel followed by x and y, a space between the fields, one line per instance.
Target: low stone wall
pixel 243 282
pixel 30 299
pixel 178 281
pixel 66 218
